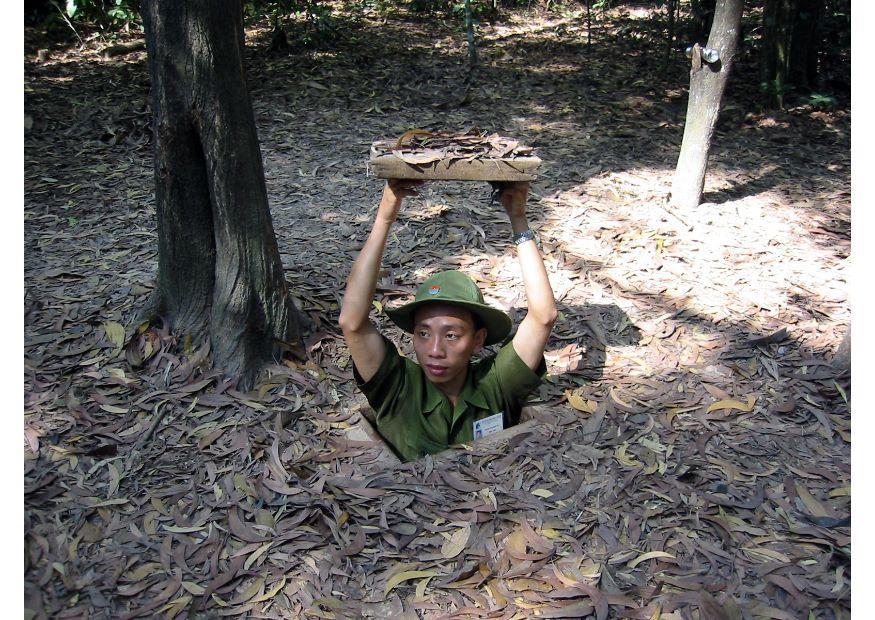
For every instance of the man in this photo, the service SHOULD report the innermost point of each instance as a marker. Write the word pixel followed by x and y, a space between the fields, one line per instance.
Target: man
pixel 445 399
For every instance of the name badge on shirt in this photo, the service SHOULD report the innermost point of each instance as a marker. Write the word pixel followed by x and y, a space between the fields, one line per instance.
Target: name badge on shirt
pixel 488 426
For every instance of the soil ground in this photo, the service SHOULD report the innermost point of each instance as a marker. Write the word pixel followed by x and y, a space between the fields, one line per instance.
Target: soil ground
pixel 692 457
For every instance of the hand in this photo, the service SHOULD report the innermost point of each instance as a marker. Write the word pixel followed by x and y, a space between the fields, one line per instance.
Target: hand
pixel 513 196
pixel 395 191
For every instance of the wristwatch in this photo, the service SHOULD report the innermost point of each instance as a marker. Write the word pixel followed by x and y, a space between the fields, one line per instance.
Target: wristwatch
pixel 524 236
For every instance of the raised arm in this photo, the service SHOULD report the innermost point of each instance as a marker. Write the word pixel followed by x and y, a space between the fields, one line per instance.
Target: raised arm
pixel 365 343
pixel 532 334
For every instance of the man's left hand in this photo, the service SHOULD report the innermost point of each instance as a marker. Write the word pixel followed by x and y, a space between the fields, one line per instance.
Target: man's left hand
pixel 513 196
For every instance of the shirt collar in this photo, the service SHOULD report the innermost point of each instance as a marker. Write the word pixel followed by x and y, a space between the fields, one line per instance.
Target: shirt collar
pixel 433 396
pixel 470 394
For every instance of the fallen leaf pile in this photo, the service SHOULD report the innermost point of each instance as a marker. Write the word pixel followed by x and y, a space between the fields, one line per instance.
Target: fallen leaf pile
pixel 690 456
pixel 419 147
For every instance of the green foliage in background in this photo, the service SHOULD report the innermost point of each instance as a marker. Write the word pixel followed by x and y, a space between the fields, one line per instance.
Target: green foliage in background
pixel 106 14
pixel 311 22
pixel 318 23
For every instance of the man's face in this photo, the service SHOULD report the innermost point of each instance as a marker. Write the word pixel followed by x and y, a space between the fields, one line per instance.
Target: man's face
pixel 444 339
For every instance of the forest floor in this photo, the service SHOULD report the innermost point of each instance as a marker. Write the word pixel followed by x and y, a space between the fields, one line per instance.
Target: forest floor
pixel 692 459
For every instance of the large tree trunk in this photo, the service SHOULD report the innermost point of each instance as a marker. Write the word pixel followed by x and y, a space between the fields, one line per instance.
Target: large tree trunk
pixel 841 359
pixel 219 269
pixel 707 83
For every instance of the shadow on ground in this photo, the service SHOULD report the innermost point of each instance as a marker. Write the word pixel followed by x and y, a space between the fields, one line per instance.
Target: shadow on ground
pixel 713 471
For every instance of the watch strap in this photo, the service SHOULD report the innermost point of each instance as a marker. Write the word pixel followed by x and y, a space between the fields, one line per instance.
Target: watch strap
pixel 522 237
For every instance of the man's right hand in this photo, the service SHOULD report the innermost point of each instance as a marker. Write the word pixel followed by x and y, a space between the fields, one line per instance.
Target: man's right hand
pixel 395 191
pixel 365 343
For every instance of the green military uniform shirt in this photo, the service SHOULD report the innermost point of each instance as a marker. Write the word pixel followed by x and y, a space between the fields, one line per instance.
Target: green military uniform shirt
pixel 416 418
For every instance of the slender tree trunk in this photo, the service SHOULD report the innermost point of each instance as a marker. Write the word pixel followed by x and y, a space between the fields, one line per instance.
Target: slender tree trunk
pixel 778 16
pixel 791 45
pixel 588 23
pixel 669 45
pixel 806 44
pixel 219 269
pixel 469 27
pixel 702 19
pixel 707 83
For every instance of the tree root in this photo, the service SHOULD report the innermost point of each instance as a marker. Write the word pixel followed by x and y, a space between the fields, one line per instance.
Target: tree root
pixel 123 48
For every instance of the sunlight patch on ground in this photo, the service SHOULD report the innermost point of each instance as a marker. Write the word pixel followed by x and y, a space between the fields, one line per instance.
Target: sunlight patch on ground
pixel 735 260
pixel 58 78
pixel 561 128
pixel 547 69
pixel 519 26
pixel 637 102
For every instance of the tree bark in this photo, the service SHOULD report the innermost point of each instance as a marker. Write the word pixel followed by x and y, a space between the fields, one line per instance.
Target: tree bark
pixel 588 24
pixel 219 270
pixel 841 360
pixel 469 28
pixel 778 16
pixel 806 44
pixel 707 83
pixel 672 6
pixel 702 18
pixel 791 45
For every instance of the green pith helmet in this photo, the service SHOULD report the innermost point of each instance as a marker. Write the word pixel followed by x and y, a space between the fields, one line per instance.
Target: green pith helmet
pixel 457 289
